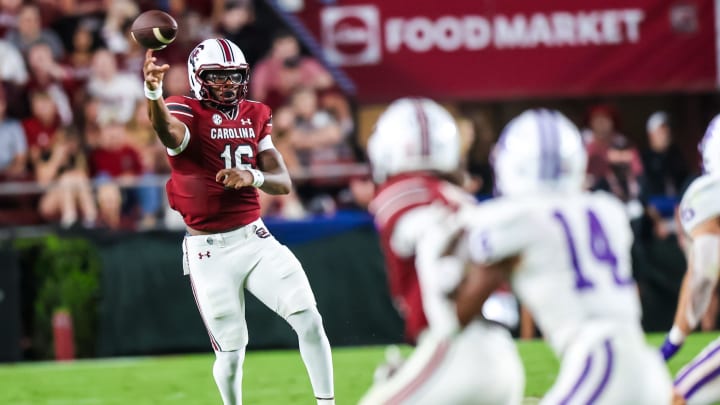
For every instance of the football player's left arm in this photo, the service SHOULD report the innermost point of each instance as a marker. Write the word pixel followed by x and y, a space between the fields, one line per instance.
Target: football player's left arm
pixel 277 178
pixel 271 175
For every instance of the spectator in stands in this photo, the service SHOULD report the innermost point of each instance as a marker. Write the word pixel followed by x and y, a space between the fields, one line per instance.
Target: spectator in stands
pixel 41 127
pixel 316 135
pixel 176 82
pixel 113 32
pixel 79 59
pixel 665 169
pixel 286 205
pixel 237 23
pixel 29 31
pixel 334 101
pixel 192 28
pixel 122 189
pixel 665 173
pixel 203 9
pixel 9 10
pixel 82 8
pixel 13 146
pixel 283 128
pixel 89 124
pixel 141 136
pixel 362 190
pixel 13 78
pixel 12 65
pixel 131 60
pixel 51 77
pixel 321 148
pixel 600 137
pixel 620 179
pixel 63 170
pixel 284 69
pixel 116 92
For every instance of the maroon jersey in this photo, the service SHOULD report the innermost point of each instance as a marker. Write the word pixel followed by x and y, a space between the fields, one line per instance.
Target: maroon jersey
pixel 396 197
pixel 218 140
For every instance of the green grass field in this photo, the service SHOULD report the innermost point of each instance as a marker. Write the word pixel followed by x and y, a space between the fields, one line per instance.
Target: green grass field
pixel 271 377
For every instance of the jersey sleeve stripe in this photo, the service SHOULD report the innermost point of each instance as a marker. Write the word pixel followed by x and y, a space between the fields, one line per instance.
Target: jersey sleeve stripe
pixel 183 145
pixel 174 107
pixel 403 200
pixel 181 113
pixel 265 144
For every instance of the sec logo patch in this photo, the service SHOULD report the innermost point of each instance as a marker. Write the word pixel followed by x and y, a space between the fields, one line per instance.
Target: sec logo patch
pixel 217 119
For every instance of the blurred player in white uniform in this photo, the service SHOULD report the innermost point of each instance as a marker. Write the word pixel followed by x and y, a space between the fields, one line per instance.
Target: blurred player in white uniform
pixel 698 383
pixel 567 255
pixel 415 146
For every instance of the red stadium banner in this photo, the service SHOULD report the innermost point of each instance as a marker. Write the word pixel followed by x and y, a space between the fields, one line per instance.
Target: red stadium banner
pixel 500 49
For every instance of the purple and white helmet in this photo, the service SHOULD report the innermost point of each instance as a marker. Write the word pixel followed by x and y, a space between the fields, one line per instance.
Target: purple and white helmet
pixel 709 147
pixel 539 150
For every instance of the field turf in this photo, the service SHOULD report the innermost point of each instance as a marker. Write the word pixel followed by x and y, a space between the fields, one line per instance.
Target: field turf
pixel 271 377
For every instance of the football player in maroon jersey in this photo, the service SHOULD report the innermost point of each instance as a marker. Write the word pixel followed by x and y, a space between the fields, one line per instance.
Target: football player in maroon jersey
pixel 220 150
pixel 414 150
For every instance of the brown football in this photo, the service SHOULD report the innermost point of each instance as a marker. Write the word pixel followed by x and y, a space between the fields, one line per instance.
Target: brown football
pixel 154 29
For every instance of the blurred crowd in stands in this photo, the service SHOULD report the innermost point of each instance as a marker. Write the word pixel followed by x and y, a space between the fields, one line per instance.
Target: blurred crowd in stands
pixel 649 179
pixel 76 146
pixel 648 173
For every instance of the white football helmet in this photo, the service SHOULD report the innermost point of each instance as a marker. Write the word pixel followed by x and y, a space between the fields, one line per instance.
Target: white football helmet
pixel 217 54
pixel 709 147
pixel 539 150
pixel 414 134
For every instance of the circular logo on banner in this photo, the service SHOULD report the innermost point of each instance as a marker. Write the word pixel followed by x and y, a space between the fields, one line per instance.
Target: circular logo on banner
pixel 351 34
pixel 217 119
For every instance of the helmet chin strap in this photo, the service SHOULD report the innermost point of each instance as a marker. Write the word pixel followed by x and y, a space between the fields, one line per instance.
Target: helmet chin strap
pixel 219 102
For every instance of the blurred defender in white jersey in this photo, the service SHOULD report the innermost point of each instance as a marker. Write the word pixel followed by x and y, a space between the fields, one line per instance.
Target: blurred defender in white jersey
pixel 699 381
pixel 414 146
pixel 567 255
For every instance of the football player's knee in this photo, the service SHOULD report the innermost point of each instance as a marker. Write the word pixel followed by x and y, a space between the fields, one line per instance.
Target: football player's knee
pixel 225 363
pixel 307 324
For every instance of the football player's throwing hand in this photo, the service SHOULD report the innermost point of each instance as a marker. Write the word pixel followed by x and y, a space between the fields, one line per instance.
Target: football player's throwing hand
pixel 152 72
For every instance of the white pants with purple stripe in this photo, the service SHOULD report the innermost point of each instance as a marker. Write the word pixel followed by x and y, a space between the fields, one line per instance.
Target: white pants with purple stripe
pixel 480 366
pixel 610 365
pixel 699 381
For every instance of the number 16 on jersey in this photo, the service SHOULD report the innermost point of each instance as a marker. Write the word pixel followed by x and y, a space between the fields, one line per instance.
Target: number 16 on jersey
pixel 242 155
